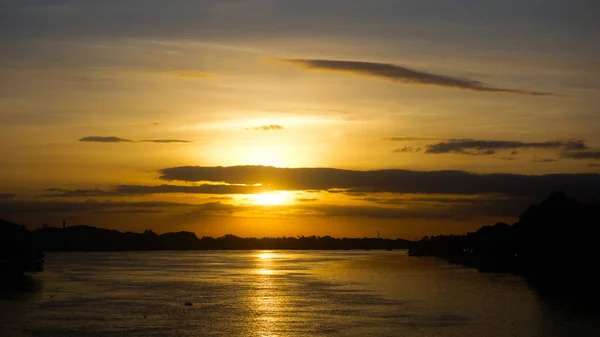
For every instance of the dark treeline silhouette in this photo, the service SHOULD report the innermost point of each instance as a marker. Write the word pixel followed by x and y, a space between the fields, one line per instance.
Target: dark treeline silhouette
pixel 553 244
pixel 87 238
pixel 18 251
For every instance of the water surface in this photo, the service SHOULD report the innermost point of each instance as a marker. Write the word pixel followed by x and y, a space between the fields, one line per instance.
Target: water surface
pixel 278 293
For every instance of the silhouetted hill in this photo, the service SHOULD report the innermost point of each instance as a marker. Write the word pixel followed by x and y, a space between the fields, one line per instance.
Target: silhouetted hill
pixel 554 244
pixel 87 238
pixel 18 252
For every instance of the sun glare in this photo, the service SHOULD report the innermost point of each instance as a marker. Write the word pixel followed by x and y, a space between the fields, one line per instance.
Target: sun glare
pixel 266 255
pixel 271 198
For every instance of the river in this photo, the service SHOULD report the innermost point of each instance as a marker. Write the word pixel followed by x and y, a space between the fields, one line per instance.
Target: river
pixel 278 293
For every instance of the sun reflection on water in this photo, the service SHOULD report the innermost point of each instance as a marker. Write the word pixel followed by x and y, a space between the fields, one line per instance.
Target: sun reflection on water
pixel 267 300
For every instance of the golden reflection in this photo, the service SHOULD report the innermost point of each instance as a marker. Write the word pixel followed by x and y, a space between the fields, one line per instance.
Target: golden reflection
pixel 266 255
pixel 265 272
pixel 268 297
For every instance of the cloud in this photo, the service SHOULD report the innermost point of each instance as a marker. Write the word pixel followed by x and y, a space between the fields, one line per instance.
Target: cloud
pixel 405 75
pixel 393 180
pixel 594 165
pixel 93 206
pixel 60 192
pixel 582 155
pixel 220 198
pixel 7 195
pixel 215 208
pixel 407 149
pixel 100 139
pixel 306 199
pixel 273 127
pixel 123 190
pixel 421 211
pixel 489 147
pixel 200 189
pixel 449 209
pixel 544 160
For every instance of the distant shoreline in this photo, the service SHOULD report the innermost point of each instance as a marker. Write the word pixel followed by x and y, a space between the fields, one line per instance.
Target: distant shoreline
pixel 229 250
pixel 89 239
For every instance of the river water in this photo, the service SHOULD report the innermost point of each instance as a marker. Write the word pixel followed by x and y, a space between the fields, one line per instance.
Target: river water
pixel 278 293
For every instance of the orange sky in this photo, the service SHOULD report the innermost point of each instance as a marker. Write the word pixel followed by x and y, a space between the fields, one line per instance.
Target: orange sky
pixel 98 99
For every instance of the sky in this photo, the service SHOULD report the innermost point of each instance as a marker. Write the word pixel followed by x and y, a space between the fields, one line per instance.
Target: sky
pixel 285 118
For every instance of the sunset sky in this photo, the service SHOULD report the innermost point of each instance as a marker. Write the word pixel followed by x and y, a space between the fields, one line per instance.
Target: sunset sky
pixel 410 117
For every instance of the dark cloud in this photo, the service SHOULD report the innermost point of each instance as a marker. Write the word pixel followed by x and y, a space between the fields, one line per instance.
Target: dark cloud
pixel 165 141
pixel 306 199
pixel 393 180
pixel 60 192
pixel 514 153
pixel 221 198
pixel 215 208
pixel 582 155
pixel 407 149
pixel 450 209
pixel 594 165
pixel 544 160
pixel 121 207
pixel 99 139
pixel 122 190
pixel 488 147
pixel 200 189
pixel 219 209
pixel 406 75
pixel 272 127
pixel 90 206
pixel 7 195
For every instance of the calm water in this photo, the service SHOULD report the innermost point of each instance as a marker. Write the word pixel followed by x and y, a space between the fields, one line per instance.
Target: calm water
pixel 278 293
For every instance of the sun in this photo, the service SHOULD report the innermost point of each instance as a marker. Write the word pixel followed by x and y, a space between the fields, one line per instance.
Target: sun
pixel 270 198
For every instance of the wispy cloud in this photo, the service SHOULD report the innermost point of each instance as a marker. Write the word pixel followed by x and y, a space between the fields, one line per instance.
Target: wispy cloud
pixel 61 192
pixel 306 199
pixel 406 75
pixel 91 206
pixel 544 160
pixel 449 210
pixel 489 147
pixel 273 127
pixel 128 190
pixel 7 195
pixel 220 198
pixel 200 189
pixel 112 139
pixel 583 155
pixel 407 149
